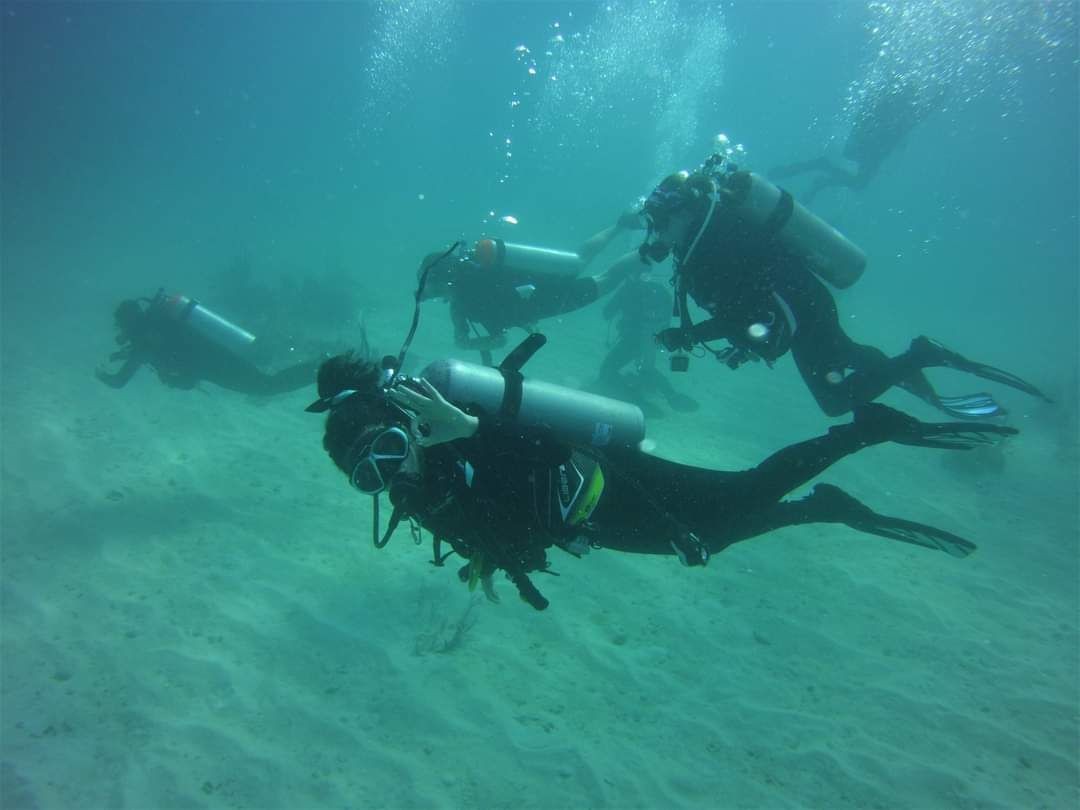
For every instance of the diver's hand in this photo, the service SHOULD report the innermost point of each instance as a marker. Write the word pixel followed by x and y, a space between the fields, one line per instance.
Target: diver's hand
pixel 631 220
pixel 107 378
pixel 434 420
pixel 486 343
pixel 675 339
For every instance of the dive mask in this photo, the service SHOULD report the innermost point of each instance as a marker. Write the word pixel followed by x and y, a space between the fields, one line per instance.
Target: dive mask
pixel 380 459
pixel 666 200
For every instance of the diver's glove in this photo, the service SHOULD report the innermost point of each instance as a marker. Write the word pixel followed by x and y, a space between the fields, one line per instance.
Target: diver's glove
pixel 734 356
pixel 676 339
pixel 690 550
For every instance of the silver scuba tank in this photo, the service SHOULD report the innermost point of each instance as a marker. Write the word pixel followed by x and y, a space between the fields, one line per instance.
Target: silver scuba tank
pixel 207 323
pixel 495 254
pixel 576 417
pixel 831 255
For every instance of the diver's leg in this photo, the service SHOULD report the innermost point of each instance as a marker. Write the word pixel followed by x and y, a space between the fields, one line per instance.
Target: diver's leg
pixel 872 374
pixel 292 378
pixel 873 424
pixel 841 373
pixel 245 378
pixel 830 504
pixel 789 170
pixel 621 354
pixel 655 379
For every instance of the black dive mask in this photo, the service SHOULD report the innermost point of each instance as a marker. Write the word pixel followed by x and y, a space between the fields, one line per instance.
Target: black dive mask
pixel 381 455
pixel 653 250
pixel 386 461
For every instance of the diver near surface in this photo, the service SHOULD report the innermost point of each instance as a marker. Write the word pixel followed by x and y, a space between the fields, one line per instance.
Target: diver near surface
pixel 639 309
pixel 186 344
pixel 749 255
pixel 500 286
pixel 878 129
pixel 500 486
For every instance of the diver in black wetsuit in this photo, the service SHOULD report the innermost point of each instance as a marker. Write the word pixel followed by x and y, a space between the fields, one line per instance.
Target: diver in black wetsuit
pixel 182 358
pixel 640 308
pixel 485 303
pixel 501 495
pixel 764 299
pixel 878 128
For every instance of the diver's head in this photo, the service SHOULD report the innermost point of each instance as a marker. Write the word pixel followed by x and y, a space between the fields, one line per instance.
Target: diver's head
pixel 129 317
pixel 380 457
pixel 673 210
pixel 366 436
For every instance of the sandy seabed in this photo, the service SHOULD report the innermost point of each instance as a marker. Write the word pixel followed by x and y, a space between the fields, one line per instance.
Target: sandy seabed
pixel 194 616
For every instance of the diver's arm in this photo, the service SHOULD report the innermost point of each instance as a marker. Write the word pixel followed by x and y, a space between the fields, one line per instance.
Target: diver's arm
pixel 461 325
pixel 629 220
pixel 623 268
pixel 711 329
pixel 438 421
pixel 121 377
pixel 677 338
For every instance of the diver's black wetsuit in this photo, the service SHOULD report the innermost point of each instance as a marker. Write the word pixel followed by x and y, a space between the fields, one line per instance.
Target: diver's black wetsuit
pixel 499 300
pixel 640 307
pixel 183 359
pixel 504 496
pixel 876 132
pixel 742 276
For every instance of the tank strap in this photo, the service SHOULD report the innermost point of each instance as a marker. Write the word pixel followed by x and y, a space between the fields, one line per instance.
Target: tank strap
pixel 780 215
pixel 511 403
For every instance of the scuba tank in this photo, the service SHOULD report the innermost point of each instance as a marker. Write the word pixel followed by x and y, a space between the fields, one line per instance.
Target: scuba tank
pixel 495 254
pixel 576 417
pixel 830 254
pixel 205 322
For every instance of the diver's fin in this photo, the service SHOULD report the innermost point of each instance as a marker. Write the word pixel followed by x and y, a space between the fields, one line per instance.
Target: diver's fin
pixel 917 534
pixel 970 406
pixel 523 352
pixel 938 355
pixel 956 435
pixel 880 423
pixel 840 507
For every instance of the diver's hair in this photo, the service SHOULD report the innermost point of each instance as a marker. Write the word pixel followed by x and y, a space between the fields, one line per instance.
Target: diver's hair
pixel 692 188
pixel 129 318
pixel 356 412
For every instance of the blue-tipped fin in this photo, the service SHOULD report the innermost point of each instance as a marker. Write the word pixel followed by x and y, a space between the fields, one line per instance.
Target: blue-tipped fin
pixel 970 406
pixel 935 354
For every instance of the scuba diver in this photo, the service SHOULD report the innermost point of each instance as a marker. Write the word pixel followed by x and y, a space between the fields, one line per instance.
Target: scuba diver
pixel 751 256
pixel 879 127
pixel 187 343
pixel 499 285
pixel 639 308
pixel 502 469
